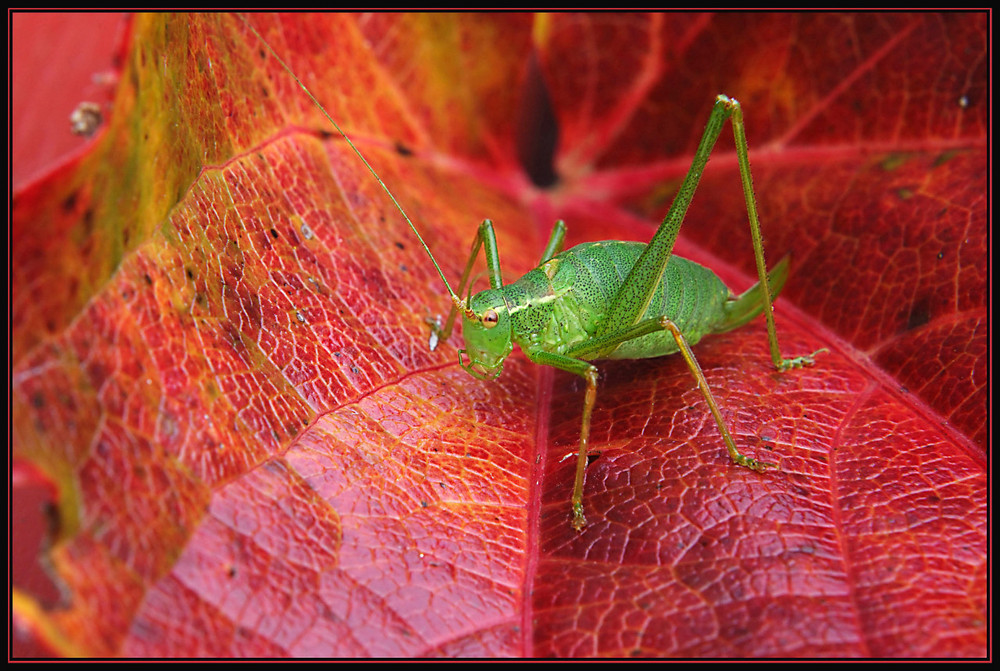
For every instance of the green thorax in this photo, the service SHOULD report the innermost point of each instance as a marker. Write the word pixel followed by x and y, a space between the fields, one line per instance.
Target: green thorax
pixel 562 302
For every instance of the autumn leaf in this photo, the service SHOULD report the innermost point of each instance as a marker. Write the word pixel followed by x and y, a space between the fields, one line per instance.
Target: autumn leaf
pixel 221 363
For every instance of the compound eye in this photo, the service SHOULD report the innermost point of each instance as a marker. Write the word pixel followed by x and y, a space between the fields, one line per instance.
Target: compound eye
pixel 490 318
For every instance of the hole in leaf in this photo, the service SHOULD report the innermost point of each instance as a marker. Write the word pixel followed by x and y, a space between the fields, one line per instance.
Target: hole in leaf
pixel 537 129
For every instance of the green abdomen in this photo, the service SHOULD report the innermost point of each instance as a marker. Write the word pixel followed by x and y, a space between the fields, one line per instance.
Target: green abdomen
pixel 564 301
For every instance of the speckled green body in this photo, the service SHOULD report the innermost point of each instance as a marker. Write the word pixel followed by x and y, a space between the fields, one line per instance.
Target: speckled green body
pixel 562 302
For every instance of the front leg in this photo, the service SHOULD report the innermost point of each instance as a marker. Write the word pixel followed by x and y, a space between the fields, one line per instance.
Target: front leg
pixel 588 372
pixel 485 238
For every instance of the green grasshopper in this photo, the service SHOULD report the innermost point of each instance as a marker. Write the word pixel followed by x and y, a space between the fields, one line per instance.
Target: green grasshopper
pixel 560 316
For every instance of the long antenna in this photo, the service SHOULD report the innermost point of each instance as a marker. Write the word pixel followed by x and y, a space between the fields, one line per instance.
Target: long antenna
pixel 454 297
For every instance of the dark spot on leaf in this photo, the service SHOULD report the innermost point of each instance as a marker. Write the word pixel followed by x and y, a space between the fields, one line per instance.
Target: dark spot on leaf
pixel 37 400
pixel 944 157
pixel 400 245
pixel 53 520
pixel 894 161
pixel 69 203
pixel 148 279
pixel 402 149
pixel 274 234
pixel 920 313
pixel 103 449
pixel 88 220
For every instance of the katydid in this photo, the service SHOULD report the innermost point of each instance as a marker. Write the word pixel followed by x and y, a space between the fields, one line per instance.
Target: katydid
pixel 576 308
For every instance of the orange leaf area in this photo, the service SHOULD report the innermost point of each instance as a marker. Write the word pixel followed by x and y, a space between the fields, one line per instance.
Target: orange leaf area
pixel 221 352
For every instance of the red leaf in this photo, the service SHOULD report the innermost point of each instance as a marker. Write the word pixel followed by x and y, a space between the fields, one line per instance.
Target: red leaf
pixel 220 348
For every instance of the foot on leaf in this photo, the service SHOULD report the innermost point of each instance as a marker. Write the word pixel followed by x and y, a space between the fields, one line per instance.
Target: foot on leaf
pixel 800 361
